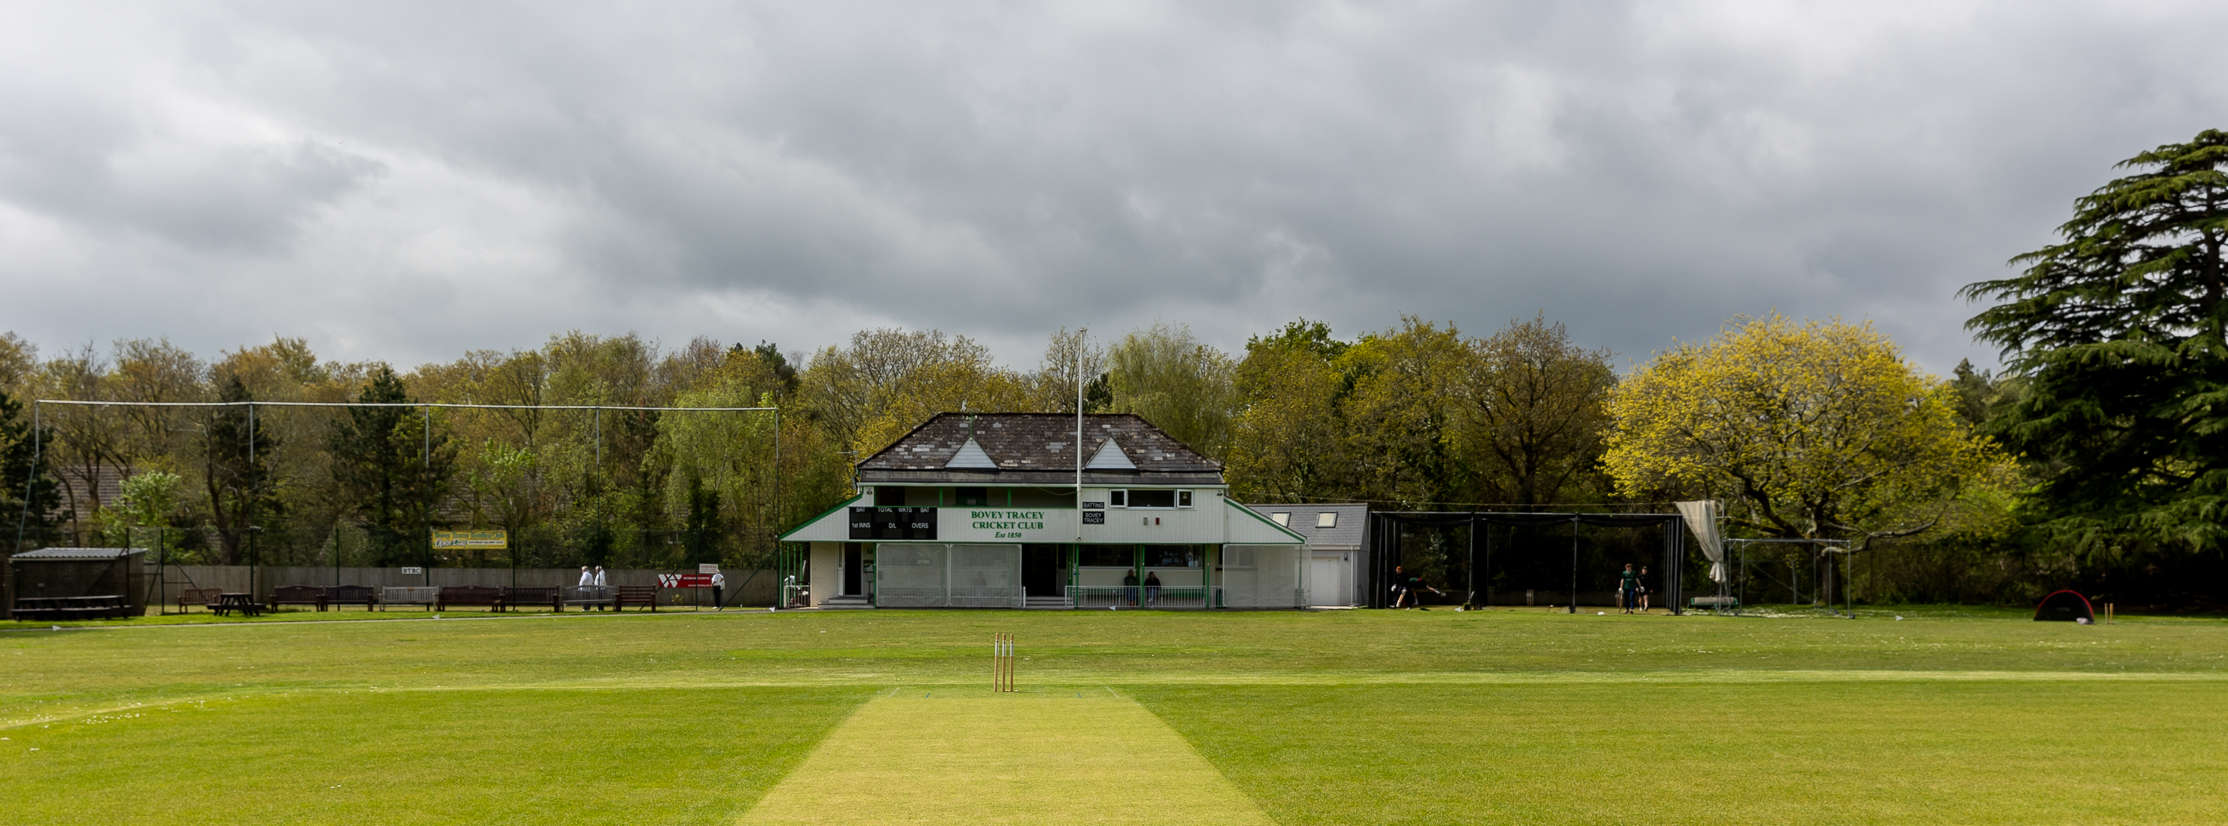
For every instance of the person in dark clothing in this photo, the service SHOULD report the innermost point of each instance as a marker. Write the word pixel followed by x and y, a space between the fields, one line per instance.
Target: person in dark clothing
pixel 1643 589
pixel 1129 588
pixel 1400 587
pixel 1415 587
pixel 1152 588
pixel 1628 587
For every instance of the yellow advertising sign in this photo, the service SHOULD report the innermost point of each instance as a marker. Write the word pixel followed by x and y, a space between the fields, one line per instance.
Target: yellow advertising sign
pixel 473 540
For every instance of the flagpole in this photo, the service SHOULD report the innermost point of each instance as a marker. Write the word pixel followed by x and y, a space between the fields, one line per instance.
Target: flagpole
pixel 1079 444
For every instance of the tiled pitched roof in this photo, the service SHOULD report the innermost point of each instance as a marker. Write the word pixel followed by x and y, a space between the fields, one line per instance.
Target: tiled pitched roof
pixel 1350 532
pixel 1040 442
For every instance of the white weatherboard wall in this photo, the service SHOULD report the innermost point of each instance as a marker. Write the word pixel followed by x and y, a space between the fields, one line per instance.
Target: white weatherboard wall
pixel 1200 524
pixel 1212 520
pixel 1003 524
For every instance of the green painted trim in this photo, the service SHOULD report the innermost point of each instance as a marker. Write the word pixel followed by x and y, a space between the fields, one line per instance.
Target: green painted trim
pixel 784 537
pixel 1265 521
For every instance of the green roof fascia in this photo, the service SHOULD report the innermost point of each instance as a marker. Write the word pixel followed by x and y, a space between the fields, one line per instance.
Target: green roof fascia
pixel 823 515
pixel 1296 538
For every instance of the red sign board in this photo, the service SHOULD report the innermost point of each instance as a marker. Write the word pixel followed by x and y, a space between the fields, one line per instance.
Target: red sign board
pixel 684 580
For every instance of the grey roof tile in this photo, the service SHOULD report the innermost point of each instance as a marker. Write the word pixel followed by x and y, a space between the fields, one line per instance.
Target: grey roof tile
pixel 1352 525
pixel 1037 442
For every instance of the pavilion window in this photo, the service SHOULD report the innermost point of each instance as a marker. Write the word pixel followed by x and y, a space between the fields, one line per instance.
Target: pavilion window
pixel 1152 498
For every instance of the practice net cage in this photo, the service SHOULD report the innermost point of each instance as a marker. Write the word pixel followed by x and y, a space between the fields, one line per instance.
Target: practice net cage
pixel 1563 560
pixel 1774 575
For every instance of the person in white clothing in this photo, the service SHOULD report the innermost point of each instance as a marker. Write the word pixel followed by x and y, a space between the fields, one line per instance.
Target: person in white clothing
pixel 586 579
pixel 719 585
pixel 599 583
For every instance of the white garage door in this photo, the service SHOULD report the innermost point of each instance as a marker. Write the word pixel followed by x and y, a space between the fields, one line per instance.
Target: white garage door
pixel 1330 579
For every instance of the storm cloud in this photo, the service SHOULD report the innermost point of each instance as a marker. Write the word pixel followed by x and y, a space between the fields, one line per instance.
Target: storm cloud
pixel 406 181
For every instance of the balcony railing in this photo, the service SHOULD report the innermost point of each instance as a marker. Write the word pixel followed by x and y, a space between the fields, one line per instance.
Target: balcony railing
pixel 1161 598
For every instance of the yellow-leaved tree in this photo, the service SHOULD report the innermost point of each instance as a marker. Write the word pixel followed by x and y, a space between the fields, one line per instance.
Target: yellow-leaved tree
pixel 1817 430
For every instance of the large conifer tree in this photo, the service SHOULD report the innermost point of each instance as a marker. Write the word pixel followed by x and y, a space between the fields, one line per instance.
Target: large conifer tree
pixel 2119 333
pixel 381 463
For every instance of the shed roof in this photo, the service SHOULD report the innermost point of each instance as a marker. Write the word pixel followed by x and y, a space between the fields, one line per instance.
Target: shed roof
pixel 1351 525
pixel 79 553
pixel 1037 448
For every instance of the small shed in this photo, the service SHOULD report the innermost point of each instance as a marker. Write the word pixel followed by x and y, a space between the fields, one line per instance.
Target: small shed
pixel 1336 536
pixel 70 573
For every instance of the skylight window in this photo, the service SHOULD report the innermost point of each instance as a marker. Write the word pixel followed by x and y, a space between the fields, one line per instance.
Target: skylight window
pixel 1326 519
pixel 1283 520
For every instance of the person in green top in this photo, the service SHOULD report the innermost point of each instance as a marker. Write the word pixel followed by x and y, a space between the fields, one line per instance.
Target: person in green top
pixel 1628 588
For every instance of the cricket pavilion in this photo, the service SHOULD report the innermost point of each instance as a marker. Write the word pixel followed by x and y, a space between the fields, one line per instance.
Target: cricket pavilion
pixel 1041 510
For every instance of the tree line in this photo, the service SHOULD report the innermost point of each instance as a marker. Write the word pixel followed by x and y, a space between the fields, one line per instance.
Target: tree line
pixel 2092 459
pixel 1419 416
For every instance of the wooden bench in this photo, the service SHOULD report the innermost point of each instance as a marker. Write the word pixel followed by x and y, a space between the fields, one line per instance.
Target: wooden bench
pixel 521 597
pixel 588 596
pixel 297 595
pixel 340 595
pixel 70 608
pixel 426 595
pixel 454 595
pixel 204 597
pixel 643 595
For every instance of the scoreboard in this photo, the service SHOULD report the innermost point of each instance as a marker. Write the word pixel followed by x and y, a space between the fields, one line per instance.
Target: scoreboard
pixel 893 523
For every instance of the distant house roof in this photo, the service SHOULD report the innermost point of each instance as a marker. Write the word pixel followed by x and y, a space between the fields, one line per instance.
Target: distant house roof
pixel 1038 448
pixel 1345 531
pixel 79 553
pixel 88 488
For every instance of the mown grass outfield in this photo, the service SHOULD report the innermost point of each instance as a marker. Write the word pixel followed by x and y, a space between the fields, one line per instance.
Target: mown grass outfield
pixel 1338 717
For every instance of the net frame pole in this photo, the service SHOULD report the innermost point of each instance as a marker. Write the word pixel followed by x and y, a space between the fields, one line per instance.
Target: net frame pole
pixel 30 481
pixel 23 519
pixel 1573 607
pixel 254 568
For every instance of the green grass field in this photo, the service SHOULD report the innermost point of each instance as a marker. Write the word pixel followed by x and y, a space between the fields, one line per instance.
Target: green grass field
pixel 1963 716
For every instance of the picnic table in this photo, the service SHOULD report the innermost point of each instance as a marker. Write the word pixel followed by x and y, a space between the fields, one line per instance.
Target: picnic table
pixel 229 602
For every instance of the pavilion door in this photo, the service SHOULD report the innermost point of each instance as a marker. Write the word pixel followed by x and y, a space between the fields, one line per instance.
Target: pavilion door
pixel 1044 570
pixel 854 570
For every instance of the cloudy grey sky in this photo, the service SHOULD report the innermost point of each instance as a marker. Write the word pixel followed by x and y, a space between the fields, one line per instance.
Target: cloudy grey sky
pixel 405 181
